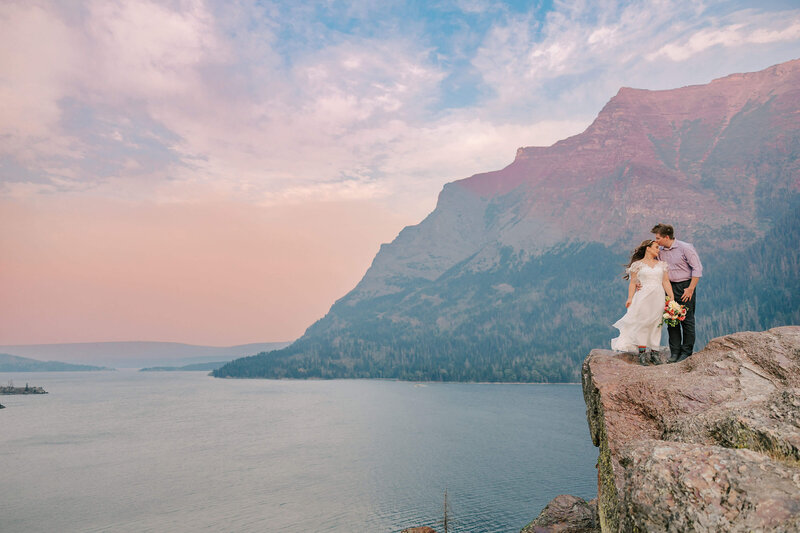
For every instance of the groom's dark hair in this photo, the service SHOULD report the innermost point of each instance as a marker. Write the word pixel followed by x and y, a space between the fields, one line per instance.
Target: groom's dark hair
pixel 665 230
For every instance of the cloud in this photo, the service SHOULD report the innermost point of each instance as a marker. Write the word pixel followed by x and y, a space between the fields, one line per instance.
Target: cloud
pixel 146 50
pixel 37 57
pixel 78 82
pixel 733 35
pixel 223 158
pixel 581 53
pixel 277 102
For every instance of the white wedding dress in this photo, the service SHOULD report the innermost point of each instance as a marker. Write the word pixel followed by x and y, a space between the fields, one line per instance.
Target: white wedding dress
pixel 641 324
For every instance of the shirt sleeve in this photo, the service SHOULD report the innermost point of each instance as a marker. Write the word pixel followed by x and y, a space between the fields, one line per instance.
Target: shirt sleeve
pixel 694 261
pixel 635 267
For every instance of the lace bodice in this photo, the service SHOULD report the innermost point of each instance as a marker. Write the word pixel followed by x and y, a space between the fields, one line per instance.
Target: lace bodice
pixel 647 275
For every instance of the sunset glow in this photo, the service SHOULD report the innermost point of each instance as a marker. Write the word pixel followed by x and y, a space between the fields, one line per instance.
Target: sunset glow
pixel 220 173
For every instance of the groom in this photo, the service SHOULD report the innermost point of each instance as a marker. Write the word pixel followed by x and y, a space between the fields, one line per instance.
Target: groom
pixel 685 271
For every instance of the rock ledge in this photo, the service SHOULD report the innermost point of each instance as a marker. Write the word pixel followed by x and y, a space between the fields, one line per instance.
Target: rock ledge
pixel 708 444
pixel 566 514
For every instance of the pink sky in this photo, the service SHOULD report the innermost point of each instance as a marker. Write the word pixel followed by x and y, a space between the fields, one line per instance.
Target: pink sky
pixel 216 172
pixel 217 274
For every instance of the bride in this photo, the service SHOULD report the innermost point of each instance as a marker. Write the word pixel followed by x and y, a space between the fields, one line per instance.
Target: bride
pixel 640 328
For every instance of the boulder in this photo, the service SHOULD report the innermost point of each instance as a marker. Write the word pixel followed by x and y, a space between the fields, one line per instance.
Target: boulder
pixel 566 514
pixel 708 444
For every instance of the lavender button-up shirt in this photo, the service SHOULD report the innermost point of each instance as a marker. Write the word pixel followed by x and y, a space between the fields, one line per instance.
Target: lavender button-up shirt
pixel 682 260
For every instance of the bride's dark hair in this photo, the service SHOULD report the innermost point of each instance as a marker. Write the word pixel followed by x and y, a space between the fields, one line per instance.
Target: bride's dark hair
pixel 637 254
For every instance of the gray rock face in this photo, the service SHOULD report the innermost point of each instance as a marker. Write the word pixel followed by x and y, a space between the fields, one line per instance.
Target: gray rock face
pixel 708 444
pixel 566 514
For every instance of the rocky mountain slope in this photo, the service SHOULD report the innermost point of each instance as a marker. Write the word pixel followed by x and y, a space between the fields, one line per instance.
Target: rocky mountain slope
pixel 516 273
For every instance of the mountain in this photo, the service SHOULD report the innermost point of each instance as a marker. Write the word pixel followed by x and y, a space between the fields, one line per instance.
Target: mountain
pixel 138 354
pixel 517 273
pixel 185 368
pixel 11 363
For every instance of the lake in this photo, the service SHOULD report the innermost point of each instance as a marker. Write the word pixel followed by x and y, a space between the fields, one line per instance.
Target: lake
pixel 181 451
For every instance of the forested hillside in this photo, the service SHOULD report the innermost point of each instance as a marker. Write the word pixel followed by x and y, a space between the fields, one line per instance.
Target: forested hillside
pixel 572 298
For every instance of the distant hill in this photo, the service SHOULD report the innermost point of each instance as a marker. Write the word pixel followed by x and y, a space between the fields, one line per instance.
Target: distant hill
pixel 138 354
pixel 207 367
pixel 516 275
pixel 13 363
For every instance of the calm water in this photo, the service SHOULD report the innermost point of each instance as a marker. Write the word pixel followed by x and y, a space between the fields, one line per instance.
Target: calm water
pixel 131 451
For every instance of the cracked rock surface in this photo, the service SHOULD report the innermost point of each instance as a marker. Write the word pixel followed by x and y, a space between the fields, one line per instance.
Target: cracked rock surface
pixel 566 514
pixel 708 444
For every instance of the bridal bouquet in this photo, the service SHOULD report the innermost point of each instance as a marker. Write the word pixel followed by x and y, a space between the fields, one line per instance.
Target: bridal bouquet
pixel 674 313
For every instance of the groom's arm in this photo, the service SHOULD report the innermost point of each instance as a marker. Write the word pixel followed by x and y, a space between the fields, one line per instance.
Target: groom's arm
pixel 697 271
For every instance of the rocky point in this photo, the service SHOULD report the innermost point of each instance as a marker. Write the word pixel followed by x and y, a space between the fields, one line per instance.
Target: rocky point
pixel 708 444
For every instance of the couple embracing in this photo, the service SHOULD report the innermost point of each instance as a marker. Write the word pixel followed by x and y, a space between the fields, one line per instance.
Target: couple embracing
pixel 661 269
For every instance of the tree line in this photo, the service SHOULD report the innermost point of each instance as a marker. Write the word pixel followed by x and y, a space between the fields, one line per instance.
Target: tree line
pixel 530 320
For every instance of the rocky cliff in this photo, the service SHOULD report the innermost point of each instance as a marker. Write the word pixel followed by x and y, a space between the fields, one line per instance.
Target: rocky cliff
pixel 708 444
pixel 695 155
pixel 511 277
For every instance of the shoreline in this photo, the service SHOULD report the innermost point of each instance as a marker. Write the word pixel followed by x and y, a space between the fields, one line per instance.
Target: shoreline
pixel 410 381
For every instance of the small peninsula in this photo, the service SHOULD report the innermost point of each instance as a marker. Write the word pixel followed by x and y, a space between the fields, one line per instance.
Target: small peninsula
pixel 27 389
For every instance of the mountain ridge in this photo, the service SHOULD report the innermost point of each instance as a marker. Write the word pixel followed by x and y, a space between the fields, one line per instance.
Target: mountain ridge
pixel 13 363
pixel 546 216
pixel 137 353
pixel 514 271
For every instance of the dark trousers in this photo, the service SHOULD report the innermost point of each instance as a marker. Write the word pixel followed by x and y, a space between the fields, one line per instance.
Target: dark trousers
pixel 681 337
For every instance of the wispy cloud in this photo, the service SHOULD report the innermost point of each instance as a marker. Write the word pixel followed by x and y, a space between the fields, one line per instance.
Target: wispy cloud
pixel 572 60
pixel 758 30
